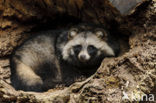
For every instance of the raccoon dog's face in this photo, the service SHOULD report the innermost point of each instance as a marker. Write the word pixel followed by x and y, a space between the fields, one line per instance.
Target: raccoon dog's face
pixel 86 47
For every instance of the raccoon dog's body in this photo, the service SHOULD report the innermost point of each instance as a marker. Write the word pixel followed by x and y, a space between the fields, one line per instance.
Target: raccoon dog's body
pixel 58 57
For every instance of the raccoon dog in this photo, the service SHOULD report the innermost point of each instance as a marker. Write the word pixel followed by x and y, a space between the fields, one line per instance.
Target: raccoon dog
pixel 58 57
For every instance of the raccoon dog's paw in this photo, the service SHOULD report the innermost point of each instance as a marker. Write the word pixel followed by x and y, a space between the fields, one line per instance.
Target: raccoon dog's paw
pixel 79 79
pixel 59 86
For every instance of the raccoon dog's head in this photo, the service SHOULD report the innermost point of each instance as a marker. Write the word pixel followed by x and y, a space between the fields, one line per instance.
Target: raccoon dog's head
pixel 86 47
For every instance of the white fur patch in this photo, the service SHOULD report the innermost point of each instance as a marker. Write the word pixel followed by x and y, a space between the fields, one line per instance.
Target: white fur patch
pixel 100 45
pixel 84 52
pixel 91 39
pixel 67 49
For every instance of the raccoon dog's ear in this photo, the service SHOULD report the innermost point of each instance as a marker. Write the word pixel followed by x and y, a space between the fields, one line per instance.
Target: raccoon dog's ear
pixel 72 33
pixel 100 33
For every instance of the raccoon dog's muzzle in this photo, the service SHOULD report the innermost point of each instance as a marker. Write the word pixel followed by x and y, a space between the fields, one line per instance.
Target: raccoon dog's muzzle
pixel 84 56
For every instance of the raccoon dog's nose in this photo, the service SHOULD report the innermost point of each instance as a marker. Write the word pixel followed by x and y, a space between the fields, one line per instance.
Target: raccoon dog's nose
pixel 83 58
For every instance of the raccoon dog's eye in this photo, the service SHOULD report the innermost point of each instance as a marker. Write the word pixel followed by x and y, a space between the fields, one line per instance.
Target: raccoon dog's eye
pixel 77 48
pixel 91 49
